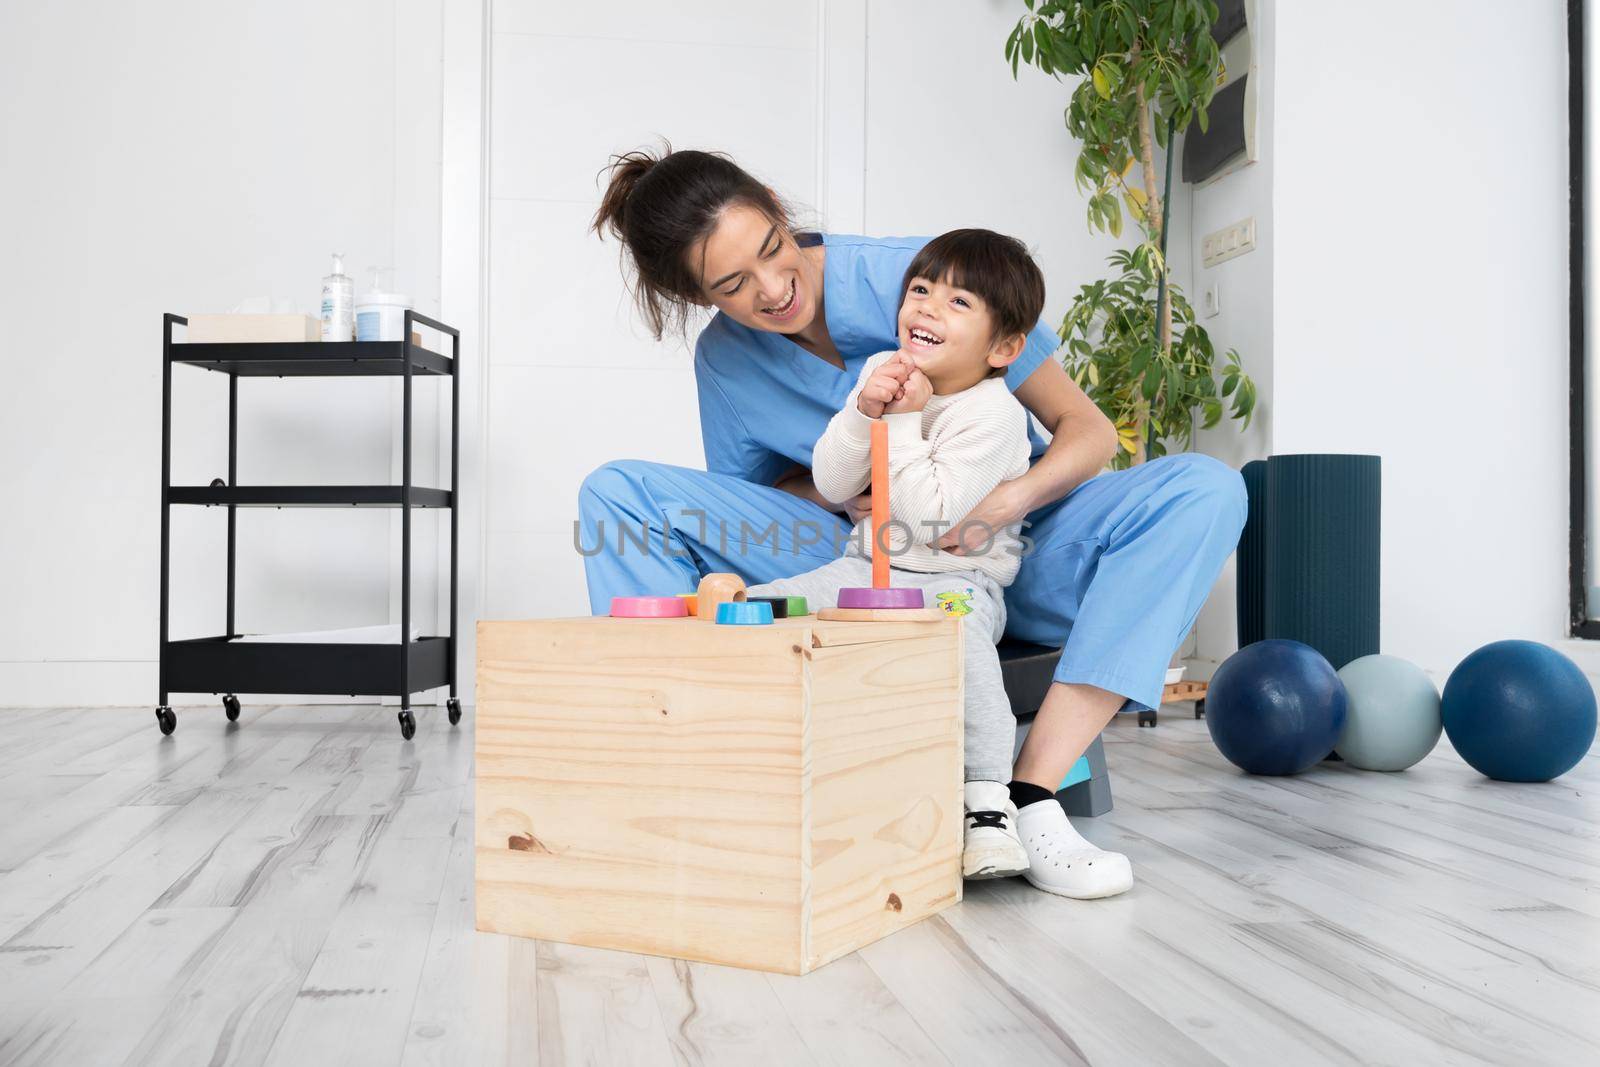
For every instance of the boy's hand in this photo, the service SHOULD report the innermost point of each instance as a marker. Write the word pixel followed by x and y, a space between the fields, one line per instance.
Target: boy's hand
pixel 886 384
pixel 914 396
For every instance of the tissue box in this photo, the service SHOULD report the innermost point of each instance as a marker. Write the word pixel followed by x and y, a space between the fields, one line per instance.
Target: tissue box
pixel 213 329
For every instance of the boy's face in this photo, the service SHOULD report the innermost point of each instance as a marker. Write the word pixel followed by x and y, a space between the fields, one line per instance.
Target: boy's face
pixel 947 331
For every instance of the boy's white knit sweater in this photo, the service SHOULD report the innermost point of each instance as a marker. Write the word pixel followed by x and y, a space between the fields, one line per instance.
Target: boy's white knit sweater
pixel 942 461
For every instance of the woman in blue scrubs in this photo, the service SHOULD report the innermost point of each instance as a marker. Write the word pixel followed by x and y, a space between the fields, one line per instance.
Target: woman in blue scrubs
pixel 1121 561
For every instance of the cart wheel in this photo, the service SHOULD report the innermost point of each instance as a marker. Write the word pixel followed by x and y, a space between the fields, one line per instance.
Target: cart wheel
pixel 230 707
pixel 1200 708
pixel 453 709
pixel 1147 718
pixel 408 724
pixel 166 720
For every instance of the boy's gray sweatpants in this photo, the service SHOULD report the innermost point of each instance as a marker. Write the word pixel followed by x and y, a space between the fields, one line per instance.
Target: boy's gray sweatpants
pixel 990 728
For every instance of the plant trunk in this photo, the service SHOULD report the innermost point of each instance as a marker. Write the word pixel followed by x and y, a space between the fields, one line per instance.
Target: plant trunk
pixel 1156 214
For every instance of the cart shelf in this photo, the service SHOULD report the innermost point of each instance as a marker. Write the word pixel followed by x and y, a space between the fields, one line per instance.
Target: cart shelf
pixel 219 665
pixel 307 496
pixel 300 359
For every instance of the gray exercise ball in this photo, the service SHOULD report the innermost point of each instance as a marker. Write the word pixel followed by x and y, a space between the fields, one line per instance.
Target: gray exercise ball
pixel 1393 716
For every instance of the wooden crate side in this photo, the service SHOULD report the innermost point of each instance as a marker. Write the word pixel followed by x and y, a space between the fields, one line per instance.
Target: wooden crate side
pixel 640 787
pixel 886 788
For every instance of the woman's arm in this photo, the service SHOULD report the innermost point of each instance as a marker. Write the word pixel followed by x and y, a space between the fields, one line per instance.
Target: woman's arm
pixel 796 481
pixel 1083 442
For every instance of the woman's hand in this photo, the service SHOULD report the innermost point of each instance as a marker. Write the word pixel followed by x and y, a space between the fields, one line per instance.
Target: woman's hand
pixel 858 507
pixel 1006 505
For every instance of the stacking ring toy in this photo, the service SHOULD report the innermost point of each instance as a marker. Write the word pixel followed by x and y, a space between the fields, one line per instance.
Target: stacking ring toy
pixel 893 597
pixel 648 607
pixel 744 613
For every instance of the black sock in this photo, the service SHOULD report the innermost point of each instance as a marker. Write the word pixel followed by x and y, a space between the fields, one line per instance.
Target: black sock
pixel 1025 793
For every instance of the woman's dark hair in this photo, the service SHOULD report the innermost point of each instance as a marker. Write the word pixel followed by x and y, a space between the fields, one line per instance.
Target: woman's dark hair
pixel 660 207
pixel 997 268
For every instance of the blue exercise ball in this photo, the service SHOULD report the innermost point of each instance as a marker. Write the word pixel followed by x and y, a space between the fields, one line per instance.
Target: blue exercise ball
pixel 1275 707
pixel 1392 713
pixel 1519 711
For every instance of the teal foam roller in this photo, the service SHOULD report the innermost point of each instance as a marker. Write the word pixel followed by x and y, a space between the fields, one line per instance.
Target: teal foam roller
pixel 737 613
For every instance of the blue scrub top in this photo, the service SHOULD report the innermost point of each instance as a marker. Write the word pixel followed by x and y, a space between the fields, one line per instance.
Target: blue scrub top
pixel 764 400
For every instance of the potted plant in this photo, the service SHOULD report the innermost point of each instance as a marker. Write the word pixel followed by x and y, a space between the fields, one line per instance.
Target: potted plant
pixel 1148 69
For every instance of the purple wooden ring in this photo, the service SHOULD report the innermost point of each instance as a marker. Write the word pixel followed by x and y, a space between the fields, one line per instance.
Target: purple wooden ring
pixel 648 607
pixel 880 598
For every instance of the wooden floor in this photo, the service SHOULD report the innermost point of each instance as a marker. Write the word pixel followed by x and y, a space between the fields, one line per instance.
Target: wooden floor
pixel 297 889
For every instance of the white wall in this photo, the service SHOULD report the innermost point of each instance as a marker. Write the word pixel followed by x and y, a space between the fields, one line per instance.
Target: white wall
pixel 183 156
pixel 848 97
pixel 1420 284
pixel 1408 299
pixel 1004 159
pixel 1244 320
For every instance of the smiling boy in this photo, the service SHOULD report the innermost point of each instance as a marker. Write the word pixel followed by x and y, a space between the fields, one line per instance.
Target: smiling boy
pixel 955 432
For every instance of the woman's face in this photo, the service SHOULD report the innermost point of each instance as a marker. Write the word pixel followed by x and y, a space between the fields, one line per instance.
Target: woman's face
pixel 751 269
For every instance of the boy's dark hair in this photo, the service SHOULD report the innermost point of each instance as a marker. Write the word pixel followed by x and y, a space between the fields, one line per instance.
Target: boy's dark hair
pixel 997 268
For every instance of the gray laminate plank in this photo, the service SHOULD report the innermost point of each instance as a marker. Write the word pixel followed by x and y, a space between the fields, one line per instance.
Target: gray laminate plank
pixel 103 1012
pixel 724 1015
pixel 476 997
pixel 303 768
pixel 358 996
pixel 597 1006
pixel 930 971
pixel 1363 911
pixel 80 925
pixel 232 1002
pixel 846 1015
pixel 54 873
pixel 1106 1023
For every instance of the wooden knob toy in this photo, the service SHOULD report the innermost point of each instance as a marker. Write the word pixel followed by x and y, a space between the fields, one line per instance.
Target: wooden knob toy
pixel 880 601
pixel 717 589
pixel 648 607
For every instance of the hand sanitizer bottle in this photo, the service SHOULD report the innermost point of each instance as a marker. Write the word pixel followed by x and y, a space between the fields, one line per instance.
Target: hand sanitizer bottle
pixel 338 303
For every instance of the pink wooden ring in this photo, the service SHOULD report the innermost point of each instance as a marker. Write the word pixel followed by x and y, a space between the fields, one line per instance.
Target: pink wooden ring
pixel 880 598
pixel 648 607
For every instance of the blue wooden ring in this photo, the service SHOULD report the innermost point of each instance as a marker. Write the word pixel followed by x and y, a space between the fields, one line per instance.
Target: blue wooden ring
pixel 745 613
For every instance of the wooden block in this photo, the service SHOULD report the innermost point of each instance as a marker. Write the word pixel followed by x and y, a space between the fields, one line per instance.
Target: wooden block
pixel 883 614
pixel 770 797
pixel 717 589
pixel 1182 691
pixel 210 329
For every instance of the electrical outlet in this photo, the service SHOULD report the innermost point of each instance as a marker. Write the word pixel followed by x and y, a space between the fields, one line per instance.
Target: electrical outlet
pixel 1218 246
pixel 1211 300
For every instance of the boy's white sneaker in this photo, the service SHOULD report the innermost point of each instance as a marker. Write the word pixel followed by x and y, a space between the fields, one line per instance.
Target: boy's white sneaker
pixel 990 847
pixel 1061 861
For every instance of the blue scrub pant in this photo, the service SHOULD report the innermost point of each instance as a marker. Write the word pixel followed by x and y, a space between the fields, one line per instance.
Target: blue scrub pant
pixel 1117 571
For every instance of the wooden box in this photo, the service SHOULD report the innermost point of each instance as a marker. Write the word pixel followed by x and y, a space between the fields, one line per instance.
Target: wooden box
pixel 763 796
pixel 207 329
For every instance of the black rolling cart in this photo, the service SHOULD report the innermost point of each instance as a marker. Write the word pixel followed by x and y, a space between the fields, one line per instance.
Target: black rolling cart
pixel 221 664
